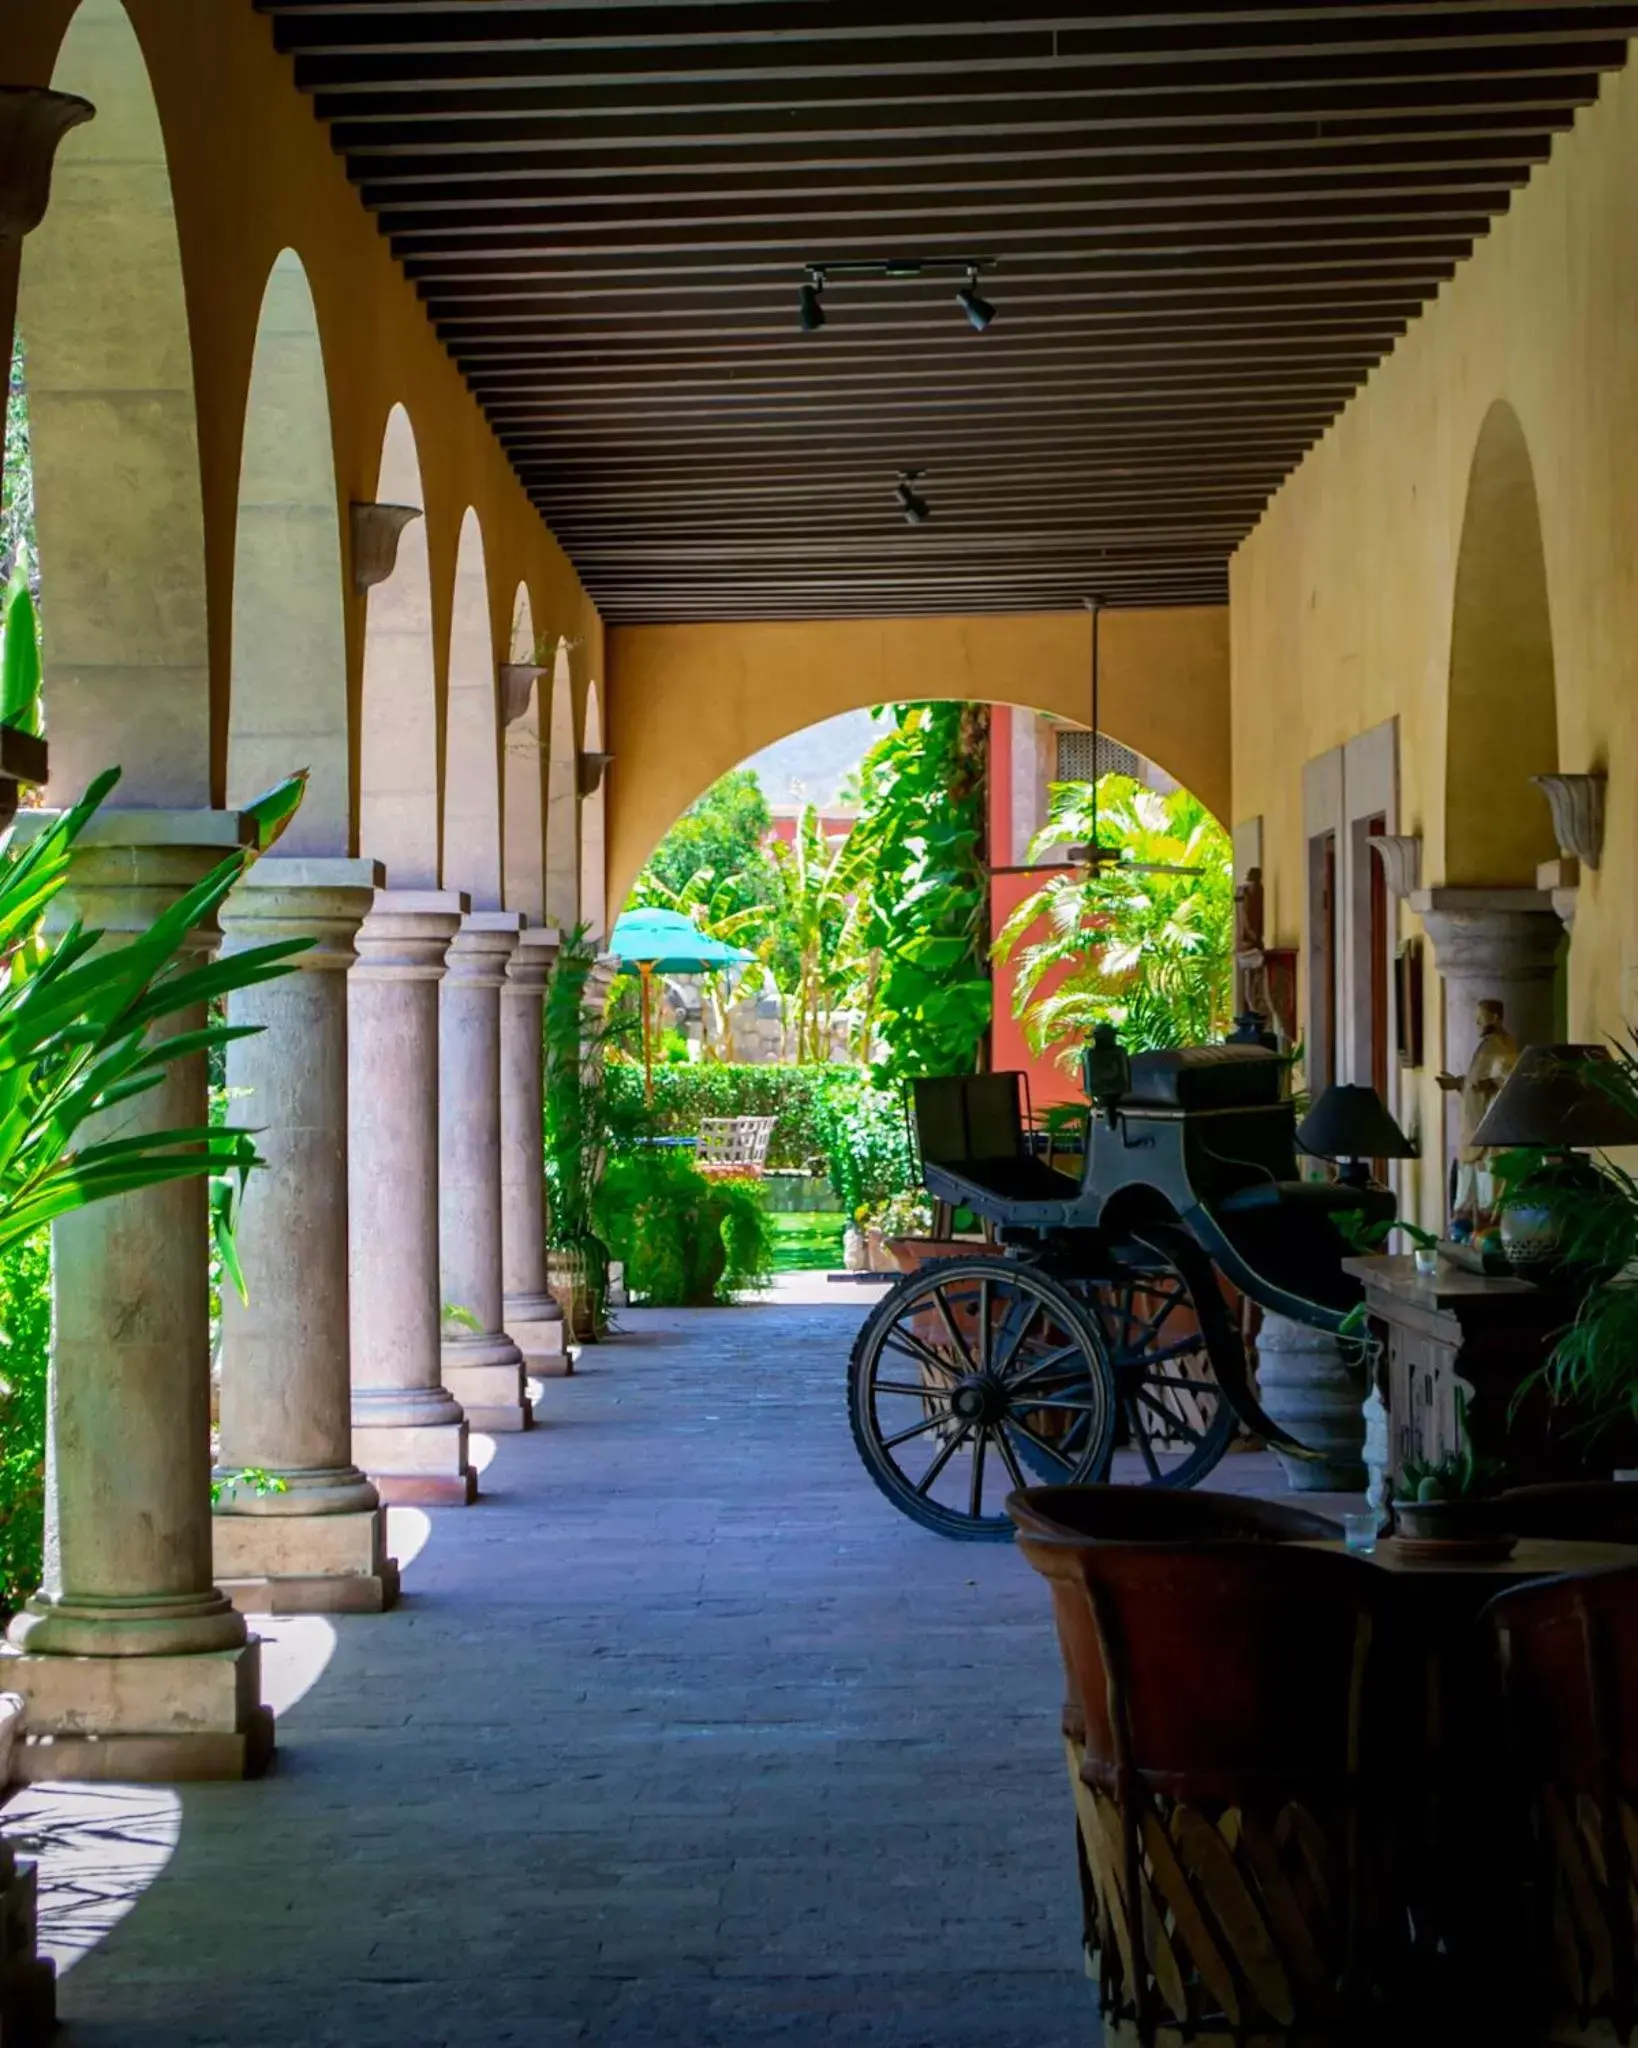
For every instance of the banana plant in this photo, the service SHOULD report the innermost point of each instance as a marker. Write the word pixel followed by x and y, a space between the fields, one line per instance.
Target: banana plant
pixel 82 1031
pixel 19 658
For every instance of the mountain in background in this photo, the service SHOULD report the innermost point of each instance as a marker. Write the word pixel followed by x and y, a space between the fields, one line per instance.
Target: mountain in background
pixel 810 767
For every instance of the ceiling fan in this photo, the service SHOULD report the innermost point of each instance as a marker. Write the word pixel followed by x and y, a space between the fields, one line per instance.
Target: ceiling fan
pixel 1091 855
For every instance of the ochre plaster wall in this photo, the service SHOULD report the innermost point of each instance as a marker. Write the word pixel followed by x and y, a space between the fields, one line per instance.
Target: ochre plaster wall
pixel 253 174
pixel 687 703
pixel 1342 599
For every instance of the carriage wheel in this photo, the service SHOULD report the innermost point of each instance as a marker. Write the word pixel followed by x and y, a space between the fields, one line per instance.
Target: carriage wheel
pixel 1174 1419
pixel 964 1374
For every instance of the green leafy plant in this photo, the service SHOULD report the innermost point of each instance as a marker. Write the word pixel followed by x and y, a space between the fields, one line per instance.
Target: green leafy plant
pixel 252 1479
pixel 1458 1475
pixel 868 1145
pixel 19 657
pixel 685 1239
pixel 575 1046
pixel 1151 953
pixel 1371 1236
pixel 914 868
pixel 799 1099
pixel 25 1350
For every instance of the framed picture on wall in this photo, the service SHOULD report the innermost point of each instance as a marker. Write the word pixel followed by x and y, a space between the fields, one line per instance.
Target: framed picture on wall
pixel 1408 1002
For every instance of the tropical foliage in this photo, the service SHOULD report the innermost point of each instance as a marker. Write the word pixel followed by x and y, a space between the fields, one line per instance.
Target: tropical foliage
pixel 915 866
pixel 17 552
pixel 1151 953
pixel 722 838
pixel 685 1239
pixel 25 1349
pixel 573 1051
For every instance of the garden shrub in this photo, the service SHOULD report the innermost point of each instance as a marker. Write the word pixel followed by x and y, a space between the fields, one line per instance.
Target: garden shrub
pixel 25 1347
pixel 797 1097
pixel 868 1147
pixel 686 1240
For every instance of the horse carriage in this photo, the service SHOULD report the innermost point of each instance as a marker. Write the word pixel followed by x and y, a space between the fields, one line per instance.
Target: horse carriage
pixel 1099 1331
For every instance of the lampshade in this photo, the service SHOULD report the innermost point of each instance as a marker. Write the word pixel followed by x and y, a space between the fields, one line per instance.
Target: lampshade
pixel 1352 1122
pixel 1551 1100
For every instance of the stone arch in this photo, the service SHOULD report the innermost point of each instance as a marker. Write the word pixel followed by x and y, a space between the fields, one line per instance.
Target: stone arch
pixel 524 810
pixel 562 800
pixel 288 708
pixel 472 806
pixel 119 510
pixel 593 854
pixel 398 740
pixel 1502 723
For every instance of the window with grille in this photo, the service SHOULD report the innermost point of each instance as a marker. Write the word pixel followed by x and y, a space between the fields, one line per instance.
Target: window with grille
pixel 1076 761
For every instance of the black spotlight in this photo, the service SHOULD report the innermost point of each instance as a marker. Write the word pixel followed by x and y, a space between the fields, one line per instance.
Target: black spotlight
pixel 810 310
pixel 916 510
pixel 978 310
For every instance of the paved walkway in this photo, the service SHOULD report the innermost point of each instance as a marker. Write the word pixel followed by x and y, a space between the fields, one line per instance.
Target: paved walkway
pixel 682 1737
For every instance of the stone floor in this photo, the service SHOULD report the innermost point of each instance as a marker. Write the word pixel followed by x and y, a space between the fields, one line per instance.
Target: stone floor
pixel 681 1736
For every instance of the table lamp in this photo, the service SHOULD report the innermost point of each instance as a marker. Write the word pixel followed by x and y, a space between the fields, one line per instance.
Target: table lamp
pixel 1350 1125
pixel 1553 1102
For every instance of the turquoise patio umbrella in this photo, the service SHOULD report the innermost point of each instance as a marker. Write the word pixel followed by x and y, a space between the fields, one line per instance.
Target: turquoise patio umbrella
pixel 666 942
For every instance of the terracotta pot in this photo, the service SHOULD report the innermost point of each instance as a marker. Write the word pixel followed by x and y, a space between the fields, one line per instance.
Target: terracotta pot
pixel 569 1282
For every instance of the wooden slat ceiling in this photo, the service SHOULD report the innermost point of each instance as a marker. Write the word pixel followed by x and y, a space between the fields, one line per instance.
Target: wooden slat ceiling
pixel 1208 221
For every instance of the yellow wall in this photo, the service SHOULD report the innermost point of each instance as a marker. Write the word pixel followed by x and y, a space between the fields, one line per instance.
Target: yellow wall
pixel 1343 598
pixel 687 703
pixel 253 173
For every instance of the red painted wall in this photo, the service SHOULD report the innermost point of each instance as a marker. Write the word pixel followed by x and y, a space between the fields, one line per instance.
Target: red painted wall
pixel 1048 1082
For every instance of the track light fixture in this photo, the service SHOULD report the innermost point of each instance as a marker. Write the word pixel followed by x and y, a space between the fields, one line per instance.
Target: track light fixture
pixel 915 508
pixel 979 311
pixel 810 311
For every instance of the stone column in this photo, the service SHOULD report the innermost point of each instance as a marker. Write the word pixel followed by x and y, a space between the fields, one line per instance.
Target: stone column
pixel 318 1545
pixel 534 1322
pixel 1501 943
pixel 133 1665
pixel 409 1433
pixel 482 1367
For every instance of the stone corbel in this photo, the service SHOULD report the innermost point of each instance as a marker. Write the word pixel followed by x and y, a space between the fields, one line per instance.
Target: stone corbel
pixel 517 679
pixel 1577 804
pixel 1401 855
pixel 590 771
pixel 33 121
pixel 377 530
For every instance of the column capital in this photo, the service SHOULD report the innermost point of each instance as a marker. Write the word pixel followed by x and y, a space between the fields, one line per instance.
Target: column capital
pixel 530 967
pixel 303 898
pixel 128 865
pixel 481 950
pixel 1513 933
pixel 407 933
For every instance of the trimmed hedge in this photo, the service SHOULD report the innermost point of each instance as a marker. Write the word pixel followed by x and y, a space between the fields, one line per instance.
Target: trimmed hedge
pixel 798 1097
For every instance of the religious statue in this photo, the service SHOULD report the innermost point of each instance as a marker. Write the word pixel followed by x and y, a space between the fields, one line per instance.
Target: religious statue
pixel 1494 1058
pixel 1252 995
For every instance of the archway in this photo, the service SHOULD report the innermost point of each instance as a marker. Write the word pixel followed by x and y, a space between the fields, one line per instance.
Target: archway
pixel 289 692
pixel 525 795
pixel 562 801
pixel 103 318
pixel 472 813
pixel 1502 724
pixel 398 768
pixel 593 858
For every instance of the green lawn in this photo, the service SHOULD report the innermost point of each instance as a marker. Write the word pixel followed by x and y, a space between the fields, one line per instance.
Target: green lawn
pixel 808 1242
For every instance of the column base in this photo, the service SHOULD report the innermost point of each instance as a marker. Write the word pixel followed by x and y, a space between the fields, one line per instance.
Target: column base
pixel 410 1465
pixel 306 1564
pixel 486 1375
pixel 147 1720
pixel 543 1340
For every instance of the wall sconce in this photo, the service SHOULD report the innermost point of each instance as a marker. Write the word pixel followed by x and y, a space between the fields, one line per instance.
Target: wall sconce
pixel 1401 856
pixel 33 121
pixel 590 772
pixel 517 679
pixel 376 532
pixel 1577 805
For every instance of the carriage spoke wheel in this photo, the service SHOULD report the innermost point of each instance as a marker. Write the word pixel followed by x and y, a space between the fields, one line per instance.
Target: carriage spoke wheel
pixel 1174 1421
pixel 970 1377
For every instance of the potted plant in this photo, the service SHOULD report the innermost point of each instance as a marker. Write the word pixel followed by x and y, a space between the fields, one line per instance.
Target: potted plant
pixel 1449 1502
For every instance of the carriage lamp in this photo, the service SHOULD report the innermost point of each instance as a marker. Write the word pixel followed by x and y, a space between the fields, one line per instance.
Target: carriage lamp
pixel 1106 1071
pixel 1350 1125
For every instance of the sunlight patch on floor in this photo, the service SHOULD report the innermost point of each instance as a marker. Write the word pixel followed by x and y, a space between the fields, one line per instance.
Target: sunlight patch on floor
pixel 295 1650
pixel 480 1452
pixel 99 1848
pixel 407 1532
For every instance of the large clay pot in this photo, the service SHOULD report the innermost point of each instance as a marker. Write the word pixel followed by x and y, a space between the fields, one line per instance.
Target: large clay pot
pixel 569 1283
pixel 1305 1386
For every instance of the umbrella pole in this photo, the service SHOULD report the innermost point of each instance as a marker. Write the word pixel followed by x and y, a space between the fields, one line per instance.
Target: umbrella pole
pixel 645 971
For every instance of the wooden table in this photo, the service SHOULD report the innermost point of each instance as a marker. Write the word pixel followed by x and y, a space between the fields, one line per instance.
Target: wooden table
pixel 1534 1557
